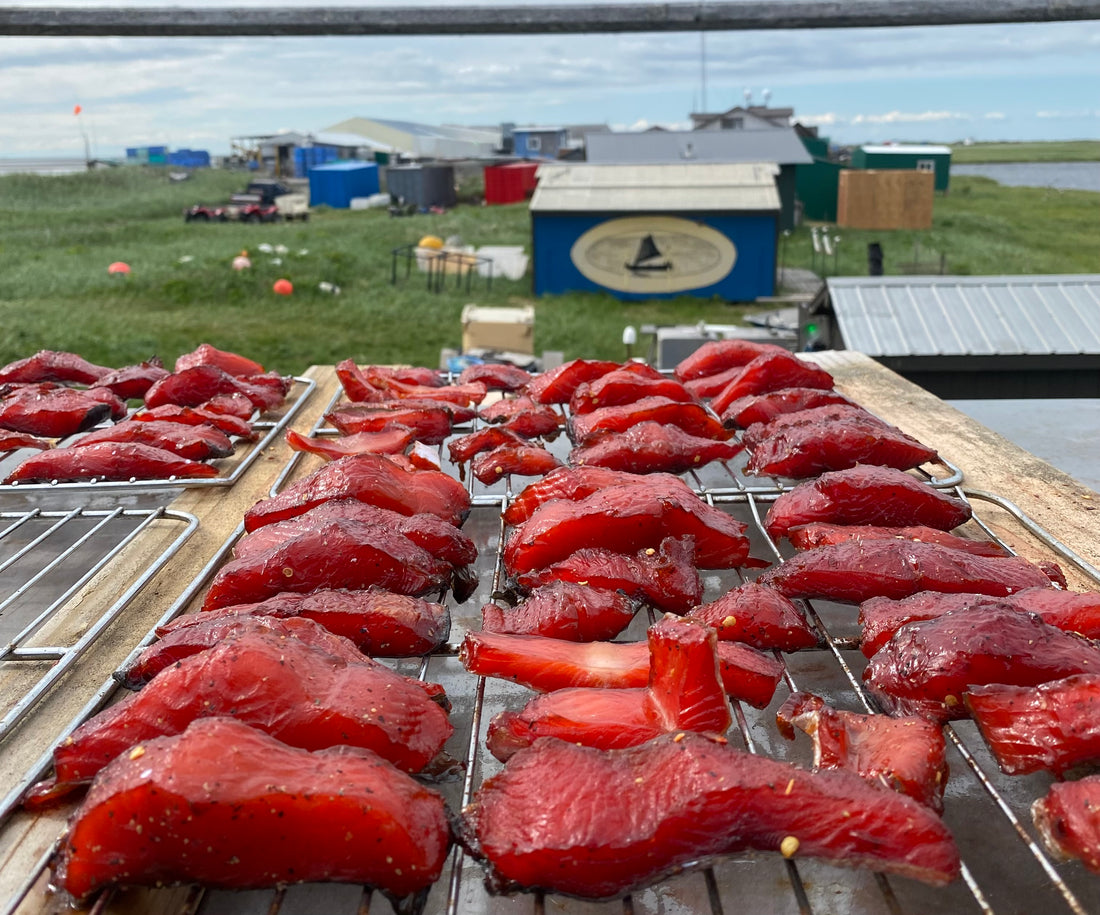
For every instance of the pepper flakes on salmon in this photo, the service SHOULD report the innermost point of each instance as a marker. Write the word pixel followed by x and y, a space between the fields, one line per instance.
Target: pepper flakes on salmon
pixel 651 447
pixel 308 694
pixel 338 553
pixel 866 494
pixel 564 610
pixel 692 417
pixel 625 519
pixel 370 478
pixel 927 667
pixel 225 805
pixel 601 824
pixel 907 754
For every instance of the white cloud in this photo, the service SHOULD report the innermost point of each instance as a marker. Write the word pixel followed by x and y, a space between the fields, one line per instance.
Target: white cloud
pixel 1061 115
pixel 201 92
pixel 828 119
pixel 909 117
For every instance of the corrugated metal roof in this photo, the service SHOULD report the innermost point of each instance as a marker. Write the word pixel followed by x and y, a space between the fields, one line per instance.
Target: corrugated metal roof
pixel 780 144
pixel 968 316
pixel 337 138
pixel 656 188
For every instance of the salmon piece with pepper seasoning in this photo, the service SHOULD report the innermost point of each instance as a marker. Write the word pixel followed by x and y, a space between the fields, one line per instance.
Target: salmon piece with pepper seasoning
pixel 599 824
pixel 224 805
pixel 307 694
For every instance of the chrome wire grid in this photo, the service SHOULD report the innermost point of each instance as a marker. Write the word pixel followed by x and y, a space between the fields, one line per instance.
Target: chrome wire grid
pixel 46 558
pixel 1005 869
pixel 266 427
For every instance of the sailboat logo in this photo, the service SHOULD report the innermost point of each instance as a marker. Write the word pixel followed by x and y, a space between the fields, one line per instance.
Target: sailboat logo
pixel 653 255
pixel 648 258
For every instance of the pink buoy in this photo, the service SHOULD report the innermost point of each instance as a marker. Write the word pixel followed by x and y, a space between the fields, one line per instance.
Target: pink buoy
pixel 118 267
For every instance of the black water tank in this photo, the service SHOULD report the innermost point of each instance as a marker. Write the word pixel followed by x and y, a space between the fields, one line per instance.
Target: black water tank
pixel 874 259
pixel 422 185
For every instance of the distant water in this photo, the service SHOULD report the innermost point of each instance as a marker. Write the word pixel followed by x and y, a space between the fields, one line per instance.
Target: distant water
pixel 1079 176
pixel 1061 431
pixel 43 166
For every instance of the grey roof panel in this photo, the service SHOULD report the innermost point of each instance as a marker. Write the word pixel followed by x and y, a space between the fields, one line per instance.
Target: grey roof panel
pixel 779 144
pixel 980 316
pixel 656 188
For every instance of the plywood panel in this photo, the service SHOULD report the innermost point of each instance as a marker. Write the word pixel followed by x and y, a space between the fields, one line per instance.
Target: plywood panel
pixel 886 199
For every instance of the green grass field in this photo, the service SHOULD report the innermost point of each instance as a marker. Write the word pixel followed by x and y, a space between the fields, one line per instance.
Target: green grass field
pixel 1065 151
pixel 58 235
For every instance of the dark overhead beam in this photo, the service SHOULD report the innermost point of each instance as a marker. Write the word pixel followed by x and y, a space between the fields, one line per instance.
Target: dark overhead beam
pixel 532 19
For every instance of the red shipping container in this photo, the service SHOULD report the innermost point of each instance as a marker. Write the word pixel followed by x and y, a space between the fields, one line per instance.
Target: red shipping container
pixel 510 183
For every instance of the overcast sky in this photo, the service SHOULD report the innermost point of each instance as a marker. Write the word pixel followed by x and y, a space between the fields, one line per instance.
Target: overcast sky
pixel 1010 82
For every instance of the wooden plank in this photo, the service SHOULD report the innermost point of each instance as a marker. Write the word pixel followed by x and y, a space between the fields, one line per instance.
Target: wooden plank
pixel 1051 498
pixel 530 19
pixel 219 510
pixel 892 198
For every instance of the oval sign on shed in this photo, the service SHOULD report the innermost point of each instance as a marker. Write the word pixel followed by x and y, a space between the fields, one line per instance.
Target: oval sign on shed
pixel 658 254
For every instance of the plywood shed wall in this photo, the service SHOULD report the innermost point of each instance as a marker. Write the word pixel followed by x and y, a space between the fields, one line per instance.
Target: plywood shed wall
pixel 886 199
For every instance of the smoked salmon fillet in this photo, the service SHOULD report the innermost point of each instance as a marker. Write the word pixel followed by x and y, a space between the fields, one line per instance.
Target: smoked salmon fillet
pixel 369 478
pixel 859 570
pixel 600 824
pixel 927 667
pixel 564 610
pixel 625 519
pixel 866 494
pixel 907 754
pixel 652 447
pixel 305 695
pixel 1072 611
pixel 224 805
pixel 341 553
pixel 117 461
pixel 1068 819
pixel 684 692
pixel 1053 727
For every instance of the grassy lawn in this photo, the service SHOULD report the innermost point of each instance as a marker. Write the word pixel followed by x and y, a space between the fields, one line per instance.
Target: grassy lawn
pixel 1064 151
pixel 59 233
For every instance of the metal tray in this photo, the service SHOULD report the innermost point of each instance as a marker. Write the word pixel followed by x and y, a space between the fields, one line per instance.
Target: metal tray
pixel 266 426
pixel 1005 869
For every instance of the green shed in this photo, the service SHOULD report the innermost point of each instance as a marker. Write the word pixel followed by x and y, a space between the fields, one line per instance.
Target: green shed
pixel 817 182
pixel 922 157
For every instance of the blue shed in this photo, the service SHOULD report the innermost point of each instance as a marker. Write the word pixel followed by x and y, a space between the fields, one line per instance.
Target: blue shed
pixel 656 231
pixel 336 183
pixel 539 142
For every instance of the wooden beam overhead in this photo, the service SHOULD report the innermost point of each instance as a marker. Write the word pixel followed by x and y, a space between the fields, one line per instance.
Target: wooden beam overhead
pixel 530 19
